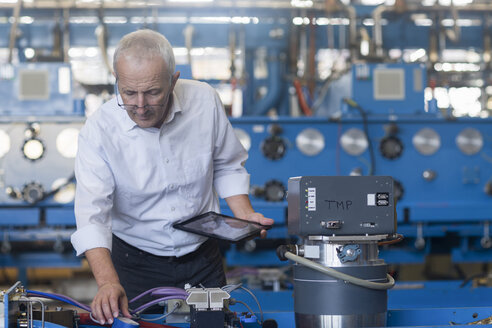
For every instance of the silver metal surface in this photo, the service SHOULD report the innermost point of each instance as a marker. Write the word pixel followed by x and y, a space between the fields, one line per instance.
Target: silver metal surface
pixel 469 141
pixel 354 141
pixel 348 239
pixel 310 142
pixel 340 321
pixel 426 141
pixel 429 175
pixel 328 253
pixel 327 317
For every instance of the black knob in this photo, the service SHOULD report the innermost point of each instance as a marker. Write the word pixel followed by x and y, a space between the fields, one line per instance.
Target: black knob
pixel 33 192
pixel 273 148
pixel 274 191
pixel 391 147
pixel 398 190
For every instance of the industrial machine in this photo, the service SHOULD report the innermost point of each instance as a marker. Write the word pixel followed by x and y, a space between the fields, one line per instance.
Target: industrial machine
pixel 379 124
pixel 416 306
pixel 339 281
pixel 38 143
pixel 193 307
pixel 348 89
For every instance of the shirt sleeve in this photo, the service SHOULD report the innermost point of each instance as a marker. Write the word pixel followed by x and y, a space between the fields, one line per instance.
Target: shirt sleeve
pixel 230 176
pixel 94 194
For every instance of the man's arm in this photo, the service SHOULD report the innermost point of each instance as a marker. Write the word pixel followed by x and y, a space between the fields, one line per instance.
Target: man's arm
pixel 111 297
pixel 240 205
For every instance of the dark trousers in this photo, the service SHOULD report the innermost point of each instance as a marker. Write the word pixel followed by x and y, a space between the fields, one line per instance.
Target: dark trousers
pixel 140 271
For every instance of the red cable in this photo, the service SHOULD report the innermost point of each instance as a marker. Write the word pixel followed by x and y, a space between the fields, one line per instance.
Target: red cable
pixel 302 101
pixel 146 324
pixel 85 319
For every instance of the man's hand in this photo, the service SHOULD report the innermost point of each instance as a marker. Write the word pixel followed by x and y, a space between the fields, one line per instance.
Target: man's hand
pixel 259 218
pixel 109 300
pixel 241 207
pixel 111 297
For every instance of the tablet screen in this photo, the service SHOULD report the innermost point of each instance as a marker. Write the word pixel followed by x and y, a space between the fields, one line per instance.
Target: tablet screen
pixel 221 226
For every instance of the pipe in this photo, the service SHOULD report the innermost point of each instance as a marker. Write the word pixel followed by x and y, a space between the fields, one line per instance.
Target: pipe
pixel 378 13
pixel 118 4
pixel 340 275
pixel 352 32
pixel 102 37
pixel 13 29
pixel 108 4
pixel 377 29
pixel 249 86
pixel 188 32
pixel 332 6
pixel 456 34
pixel 66 34
pixel 274 93
pixel 310 77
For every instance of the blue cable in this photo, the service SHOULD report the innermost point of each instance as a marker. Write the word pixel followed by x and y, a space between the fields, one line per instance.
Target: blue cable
pixel 47 295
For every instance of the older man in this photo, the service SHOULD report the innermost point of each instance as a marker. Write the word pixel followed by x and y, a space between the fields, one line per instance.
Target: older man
pixel 159 152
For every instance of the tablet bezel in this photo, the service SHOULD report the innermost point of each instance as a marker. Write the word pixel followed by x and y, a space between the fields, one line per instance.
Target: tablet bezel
pixel 182 226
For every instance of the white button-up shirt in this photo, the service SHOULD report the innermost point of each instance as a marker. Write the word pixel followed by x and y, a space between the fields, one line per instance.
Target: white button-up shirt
pixel 136 182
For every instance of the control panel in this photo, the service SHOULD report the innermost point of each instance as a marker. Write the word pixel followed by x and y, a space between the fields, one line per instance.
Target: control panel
pixel 341 205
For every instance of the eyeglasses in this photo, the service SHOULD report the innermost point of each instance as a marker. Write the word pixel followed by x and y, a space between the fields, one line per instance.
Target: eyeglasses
pixel 135 107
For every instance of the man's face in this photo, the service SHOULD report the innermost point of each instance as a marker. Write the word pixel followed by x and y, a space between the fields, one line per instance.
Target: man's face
pixel 144 82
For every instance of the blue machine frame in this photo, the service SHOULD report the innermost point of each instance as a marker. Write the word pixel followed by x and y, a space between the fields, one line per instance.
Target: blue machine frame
pixel 452 204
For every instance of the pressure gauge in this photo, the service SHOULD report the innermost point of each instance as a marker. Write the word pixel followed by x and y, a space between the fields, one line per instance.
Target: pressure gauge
pixel 66 142
pixel 310 142
pixel 33 149
pixel 354 141
pixel 469 141
pixel 426 141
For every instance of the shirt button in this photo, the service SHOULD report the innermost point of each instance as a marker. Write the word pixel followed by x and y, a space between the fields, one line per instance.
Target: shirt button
pixel 177 249
pixel 167 160
pixel 171 186
pixel 172 208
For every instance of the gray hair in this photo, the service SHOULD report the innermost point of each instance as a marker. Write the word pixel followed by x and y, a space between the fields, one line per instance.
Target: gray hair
pixel 145 44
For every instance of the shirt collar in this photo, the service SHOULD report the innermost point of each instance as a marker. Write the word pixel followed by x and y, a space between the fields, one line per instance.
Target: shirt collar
pixel 129 124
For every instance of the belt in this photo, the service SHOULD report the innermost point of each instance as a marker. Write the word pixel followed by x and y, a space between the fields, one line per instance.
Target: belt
pixel 185 258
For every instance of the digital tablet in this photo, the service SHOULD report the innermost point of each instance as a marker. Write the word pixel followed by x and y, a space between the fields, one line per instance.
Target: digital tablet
pixel 220 226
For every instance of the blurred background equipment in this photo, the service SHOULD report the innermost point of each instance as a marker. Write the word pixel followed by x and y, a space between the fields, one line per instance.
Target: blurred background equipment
pixel 339 88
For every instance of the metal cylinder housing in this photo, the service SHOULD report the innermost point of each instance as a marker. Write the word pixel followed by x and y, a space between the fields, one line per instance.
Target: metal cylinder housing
pixel 321 301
